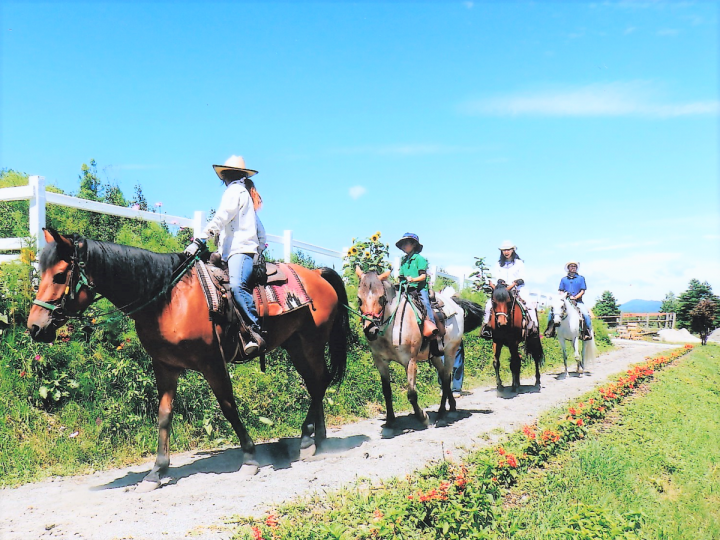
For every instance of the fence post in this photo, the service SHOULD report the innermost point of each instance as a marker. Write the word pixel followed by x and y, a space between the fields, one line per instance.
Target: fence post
pixel 433 275
pixel 198 223
pixel 287 246
pixel 37 211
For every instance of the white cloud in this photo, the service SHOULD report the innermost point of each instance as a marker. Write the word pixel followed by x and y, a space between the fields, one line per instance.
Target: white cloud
pixel 636 98
pixel 357 191
pixel 469 5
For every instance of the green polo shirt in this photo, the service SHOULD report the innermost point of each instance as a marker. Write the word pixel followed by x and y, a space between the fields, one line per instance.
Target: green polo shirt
pixel 411 265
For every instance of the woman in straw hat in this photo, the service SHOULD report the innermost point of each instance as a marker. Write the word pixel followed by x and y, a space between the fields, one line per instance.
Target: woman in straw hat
pixel 240 236
pixel 574 285
pixel 511 269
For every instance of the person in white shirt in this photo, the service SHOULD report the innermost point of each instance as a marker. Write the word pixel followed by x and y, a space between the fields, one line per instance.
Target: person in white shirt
pixel 240 237
pixel 511 269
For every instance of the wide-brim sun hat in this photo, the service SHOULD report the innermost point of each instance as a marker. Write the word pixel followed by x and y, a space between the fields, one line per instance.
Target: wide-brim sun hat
pixel 571 262
pixel 410 236
pixel 507 244
pixel 233 169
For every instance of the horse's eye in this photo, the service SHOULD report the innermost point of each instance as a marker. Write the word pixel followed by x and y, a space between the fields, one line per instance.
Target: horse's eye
pixel 60 278
pixel 359 301
pixel 382 301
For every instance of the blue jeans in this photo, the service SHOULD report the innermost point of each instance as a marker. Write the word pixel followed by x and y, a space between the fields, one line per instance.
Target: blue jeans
pixel 586 315
pixel 425 297
pixel 459 369
pixel 240 268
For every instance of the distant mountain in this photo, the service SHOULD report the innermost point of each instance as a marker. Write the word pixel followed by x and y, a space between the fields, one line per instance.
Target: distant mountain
pixel 641 306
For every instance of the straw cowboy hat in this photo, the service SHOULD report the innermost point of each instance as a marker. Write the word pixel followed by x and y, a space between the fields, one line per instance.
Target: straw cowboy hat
pixel 571 262
pixel 507 244
pixel 412 237
pixel 233 169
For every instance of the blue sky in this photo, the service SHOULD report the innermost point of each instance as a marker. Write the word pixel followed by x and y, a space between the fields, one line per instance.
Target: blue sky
pixel 577 130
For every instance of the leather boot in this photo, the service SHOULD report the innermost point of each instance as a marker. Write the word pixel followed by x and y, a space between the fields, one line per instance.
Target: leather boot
pixel 436 347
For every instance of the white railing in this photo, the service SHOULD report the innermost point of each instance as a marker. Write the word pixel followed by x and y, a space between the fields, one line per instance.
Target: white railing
pixel 37 195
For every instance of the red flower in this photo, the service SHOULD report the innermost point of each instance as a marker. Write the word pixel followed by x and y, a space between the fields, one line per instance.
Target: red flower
pixel 377 514
pixel 512 461
pixel 579 421
pixel 22 373
pixel 501 450
pixel 272 521
pixel 257 533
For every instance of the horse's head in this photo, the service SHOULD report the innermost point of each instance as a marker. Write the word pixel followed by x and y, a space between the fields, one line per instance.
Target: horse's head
pixel 559 307
pixel 65 290
pixel 502 304
pixel 372 299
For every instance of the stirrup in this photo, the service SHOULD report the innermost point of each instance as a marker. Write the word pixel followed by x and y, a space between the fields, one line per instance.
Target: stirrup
pixel 251 348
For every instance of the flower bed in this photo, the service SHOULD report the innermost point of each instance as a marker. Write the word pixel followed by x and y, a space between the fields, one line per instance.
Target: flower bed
pixel 451 500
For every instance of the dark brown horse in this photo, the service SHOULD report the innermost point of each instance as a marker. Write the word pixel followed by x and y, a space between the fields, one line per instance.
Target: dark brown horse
pixel 174 326
pixel 506 321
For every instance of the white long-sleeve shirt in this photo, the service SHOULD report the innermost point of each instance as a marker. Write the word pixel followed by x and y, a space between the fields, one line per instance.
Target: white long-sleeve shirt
pixel 235 221
pixel 510 272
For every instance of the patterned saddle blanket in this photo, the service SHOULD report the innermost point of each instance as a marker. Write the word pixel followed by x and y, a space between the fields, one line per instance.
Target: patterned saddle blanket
pixel 283 293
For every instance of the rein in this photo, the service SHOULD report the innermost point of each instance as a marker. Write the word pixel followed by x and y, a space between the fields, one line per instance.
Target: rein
pixel 383 325
pixel 57 307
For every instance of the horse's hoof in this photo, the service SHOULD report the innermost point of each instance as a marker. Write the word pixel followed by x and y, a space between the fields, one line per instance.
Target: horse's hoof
pixel 425 421
pixel 514 388
pixel 308 452
pixel 249 469
pixel 146 486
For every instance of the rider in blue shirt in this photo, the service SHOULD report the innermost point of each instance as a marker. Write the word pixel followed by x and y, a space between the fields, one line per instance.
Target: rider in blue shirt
pixel 574 285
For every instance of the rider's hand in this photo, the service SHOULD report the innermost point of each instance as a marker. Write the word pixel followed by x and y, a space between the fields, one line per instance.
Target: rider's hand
pixel 198 244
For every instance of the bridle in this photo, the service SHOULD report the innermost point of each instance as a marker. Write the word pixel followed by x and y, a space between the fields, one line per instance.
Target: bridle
pixel 76 279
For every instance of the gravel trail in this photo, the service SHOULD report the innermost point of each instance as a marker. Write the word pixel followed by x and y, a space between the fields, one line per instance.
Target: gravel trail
pixel 205 487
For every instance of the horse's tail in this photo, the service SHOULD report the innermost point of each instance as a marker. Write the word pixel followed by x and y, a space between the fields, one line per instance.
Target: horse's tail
pixel 474 313
pixel 341 327
pixel 589 351
pixel 533 347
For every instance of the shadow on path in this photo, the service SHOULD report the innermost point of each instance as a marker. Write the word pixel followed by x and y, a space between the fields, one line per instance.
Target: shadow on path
pixel 280 455
pixel 409 424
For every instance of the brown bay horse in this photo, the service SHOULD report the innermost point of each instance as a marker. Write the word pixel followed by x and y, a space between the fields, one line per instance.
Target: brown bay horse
pixel 506 321
pixel 174 327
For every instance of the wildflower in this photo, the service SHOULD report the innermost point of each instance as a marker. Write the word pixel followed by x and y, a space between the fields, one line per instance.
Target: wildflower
pixel 367 254
pixel 572 411
pixel 512 461
pixel 579 421
pixel 38 357
pixel 501 450
pixel 377 514
pixel 378 234
pixel 529 433
pixel 374 238
pixel 272 521
pixel 257 533
pixel 23 373
pixel 410 497
pixel 353 250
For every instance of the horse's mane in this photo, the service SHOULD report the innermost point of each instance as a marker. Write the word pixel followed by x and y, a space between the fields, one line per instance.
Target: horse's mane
pixel 128 274
pixel 501 294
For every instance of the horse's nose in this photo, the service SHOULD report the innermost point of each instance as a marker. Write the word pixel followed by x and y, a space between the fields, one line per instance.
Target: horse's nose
pixel 371 333
pixel 34 331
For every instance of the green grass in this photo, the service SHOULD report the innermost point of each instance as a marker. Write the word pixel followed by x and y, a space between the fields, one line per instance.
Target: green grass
pixel 659 466
pixel 108 397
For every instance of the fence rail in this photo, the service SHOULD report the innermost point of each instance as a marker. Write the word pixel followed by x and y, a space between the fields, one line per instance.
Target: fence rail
pixel 647 321
pixel 36 193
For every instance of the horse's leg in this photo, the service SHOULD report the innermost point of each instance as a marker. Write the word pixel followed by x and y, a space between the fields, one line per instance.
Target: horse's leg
pixel 309 360
pixel 563 345
pixel 537 370
pixel 578 358
pixel 515 362
pixel 497 349
pixel 166 380
pixel 412 391
pixel 218 378
pixel 383 367
pixel 445 375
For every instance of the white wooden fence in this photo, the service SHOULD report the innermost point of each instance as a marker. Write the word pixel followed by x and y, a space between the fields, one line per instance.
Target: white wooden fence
pixel 37 195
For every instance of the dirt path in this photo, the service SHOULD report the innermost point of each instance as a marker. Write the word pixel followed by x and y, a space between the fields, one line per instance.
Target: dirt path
pixel 206 487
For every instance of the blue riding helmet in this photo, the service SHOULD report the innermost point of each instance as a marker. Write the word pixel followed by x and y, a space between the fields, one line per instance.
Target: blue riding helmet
pixel 414 238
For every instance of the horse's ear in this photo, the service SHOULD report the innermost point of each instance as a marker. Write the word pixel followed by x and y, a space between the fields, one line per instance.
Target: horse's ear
pixel 384 275
pixel 63 244
pixel 359 271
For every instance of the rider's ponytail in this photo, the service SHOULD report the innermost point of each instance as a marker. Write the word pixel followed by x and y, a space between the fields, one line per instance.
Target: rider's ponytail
pixel 256 198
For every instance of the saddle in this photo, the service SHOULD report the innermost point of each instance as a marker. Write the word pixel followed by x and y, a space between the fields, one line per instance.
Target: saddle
pixel 283 292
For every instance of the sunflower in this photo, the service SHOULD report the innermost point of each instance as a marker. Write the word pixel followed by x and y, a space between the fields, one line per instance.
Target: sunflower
pixel 367 254
pixel 353 250
pixel 375 237
pixel 378 234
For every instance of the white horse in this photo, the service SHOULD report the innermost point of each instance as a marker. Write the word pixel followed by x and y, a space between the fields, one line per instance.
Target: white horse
pixel 390 323
pixel 568 317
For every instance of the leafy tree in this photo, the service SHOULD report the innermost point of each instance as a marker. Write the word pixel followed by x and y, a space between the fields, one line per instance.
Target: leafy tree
pixel 702 318
pixel 669 303
pixel 606 305
pixel 695 292
pixel 481 275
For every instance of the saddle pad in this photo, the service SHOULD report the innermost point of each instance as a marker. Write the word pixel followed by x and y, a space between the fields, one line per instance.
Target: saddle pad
pixel 282 298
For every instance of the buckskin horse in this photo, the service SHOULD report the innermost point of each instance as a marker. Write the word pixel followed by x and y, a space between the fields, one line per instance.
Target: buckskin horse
pixel 174 327
pixel 393 331
pixel 506 321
